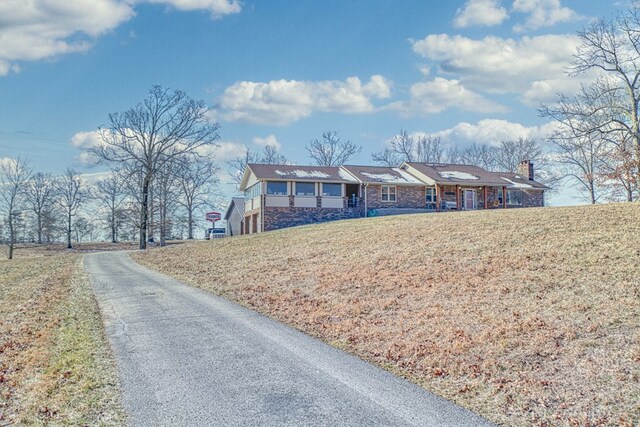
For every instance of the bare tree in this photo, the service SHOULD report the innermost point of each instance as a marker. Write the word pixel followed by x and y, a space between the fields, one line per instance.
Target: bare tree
pixel 608 109
pixel 331 150
pixel 70 195
pixel 84 229
pixel 40 195
pixel 14 178
pixel 269 156
pixel 111 194
pixel 166 194
pixel 580 157
pixel 481 155
pixel 406 148
pixel 164 126
pixel 511 152
pixel 196 179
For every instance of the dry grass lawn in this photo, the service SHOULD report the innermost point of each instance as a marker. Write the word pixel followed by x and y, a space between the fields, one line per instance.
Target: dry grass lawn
pixel 528 317
pixel 55 363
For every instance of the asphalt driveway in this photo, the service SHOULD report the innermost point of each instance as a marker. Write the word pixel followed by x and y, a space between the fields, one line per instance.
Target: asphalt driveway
pixel 188 358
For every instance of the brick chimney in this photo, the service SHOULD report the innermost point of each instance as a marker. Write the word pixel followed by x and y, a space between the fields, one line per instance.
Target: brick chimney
pixel 525 168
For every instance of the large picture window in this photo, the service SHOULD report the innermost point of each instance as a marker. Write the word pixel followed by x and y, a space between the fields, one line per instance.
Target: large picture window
pixel 276 188
pixel 305 189
pixel 515 197
pixel 388 193
pixel 334 190
pixel 252 192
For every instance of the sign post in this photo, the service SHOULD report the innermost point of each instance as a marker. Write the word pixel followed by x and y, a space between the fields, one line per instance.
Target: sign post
pixel 213 217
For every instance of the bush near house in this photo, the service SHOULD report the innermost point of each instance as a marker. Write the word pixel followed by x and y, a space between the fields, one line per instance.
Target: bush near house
pixel 525 316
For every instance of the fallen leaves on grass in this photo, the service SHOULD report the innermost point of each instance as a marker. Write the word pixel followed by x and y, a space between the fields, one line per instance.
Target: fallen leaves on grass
pixel 525 316
pixel 55 365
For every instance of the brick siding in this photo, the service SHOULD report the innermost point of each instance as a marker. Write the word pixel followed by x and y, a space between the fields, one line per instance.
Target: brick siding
pixel 406 197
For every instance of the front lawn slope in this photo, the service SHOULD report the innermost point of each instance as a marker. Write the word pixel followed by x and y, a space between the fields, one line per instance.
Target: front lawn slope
pixel 525 316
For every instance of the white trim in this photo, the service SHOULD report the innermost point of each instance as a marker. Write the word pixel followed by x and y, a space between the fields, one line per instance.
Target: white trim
pixel 395 194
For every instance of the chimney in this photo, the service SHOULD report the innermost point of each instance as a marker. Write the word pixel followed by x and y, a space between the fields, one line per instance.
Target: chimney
pixel 525 168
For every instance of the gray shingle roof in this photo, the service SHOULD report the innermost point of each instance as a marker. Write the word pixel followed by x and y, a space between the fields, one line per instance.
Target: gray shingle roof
pixel 452 174
pixel 299 173
pixel 382 175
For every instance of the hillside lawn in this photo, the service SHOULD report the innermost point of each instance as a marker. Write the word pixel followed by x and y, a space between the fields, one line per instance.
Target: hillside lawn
pixel 55 363
pixel 527 317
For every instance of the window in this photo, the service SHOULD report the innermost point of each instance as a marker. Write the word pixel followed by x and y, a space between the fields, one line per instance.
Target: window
pixel 431 195
pixel 277 188
pixel 499 195
pixel 388 193
pixel 334 190
pixel 305 189
pixel 252 192
pixel 514 197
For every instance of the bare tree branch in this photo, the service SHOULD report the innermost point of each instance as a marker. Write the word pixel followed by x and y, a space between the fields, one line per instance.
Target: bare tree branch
pixel 331 150
pixel 152 134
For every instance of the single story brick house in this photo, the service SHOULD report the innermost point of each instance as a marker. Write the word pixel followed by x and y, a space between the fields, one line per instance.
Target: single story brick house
pixel 471 187
pixel 279 196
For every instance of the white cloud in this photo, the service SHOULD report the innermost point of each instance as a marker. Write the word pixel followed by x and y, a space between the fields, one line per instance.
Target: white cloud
pixel 86 140
pixel 32 30
pixel 269 140
pixel 542 13
pixel 480 12
pixel 225 150
pixel 218 8
pixel 491 131
pixel 546 91
pixel 280 102
pixel 497 65
pixel 93 177
pixel 440 94
pixel 7 162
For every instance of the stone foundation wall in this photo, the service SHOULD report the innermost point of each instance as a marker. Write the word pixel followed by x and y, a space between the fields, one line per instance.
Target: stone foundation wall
pixel 277 218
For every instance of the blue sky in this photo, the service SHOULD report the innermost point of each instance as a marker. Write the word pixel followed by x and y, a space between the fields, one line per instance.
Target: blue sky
pixel 282 72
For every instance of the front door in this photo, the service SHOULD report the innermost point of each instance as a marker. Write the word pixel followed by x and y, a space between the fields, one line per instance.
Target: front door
pixel 469 199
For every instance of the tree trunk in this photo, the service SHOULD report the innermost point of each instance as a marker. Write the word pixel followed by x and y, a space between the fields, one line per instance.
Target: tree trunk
pixel 144 212
pixel 113 227
pixel 151 212
pixel 39 215
pixel 190 228
pixel 12 237
pixel 69 231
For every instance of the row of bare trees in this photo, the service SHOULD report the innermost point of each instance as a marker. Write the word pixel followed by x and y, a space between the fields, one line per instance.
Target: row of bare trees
pixel 505 156
pixel 160 179
pixel 598 129
pixel 49 203
pixel 42 208
pixel 158 150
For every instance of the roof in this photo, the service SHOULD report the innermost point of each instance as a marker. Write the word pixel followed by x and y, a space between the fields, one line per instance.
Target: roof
pixel 382 175
pixel 453 174
pixel 518 181
pixel 237 203
pixel 299 173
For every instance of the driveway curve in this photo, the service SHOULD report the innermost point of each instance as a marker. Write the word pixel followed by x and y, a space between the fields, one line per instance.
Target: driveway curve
pixel 186 357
